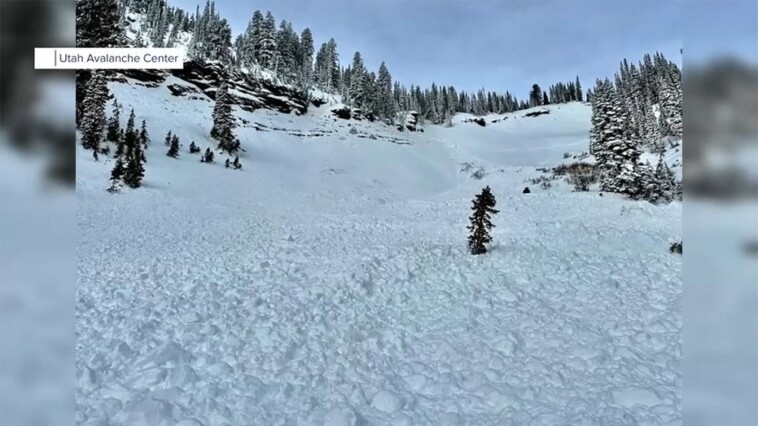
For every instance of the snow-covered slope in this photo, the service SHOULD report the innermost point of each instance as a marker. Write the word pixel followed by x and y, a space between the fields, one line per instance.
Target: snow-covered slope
pixel 137 34
pixel 328 282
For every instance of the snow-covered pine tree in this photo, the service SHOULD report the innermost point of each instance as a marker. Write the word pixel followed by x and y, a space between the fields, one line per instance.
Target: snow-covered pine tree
pixel 94 117
pixel 193 148
pixel 254 31
pixel 117 173
pixel 97 25
pixel 159 24
pixel 669 189
pixel 535 96
pixel 173 150
pixel 357 91
pixel 671 103
pixel 614 142
pixel 120 144
pixel 135 170
pixel 621 171
pixel 327 67
pixel 267 42
pixel 287 52
pixel 483 207
pixel 223 121
pixel 600 118
pixel 545 100
pixel 173 35
pixel 218 44
pixel 144 137
pixel 651 134
pixel 578 92
pixel 114 123
pixel 306 57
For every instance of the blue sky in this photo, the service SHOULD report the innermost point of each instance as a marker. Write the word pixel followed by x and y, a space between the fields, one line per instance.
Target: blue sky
pixel 496 44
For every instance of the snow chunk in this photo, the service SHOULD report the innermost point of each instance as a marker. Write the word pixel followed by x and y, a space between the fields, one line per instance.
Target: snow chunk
pixel 387 401
pixel 340 416
pixel 629 397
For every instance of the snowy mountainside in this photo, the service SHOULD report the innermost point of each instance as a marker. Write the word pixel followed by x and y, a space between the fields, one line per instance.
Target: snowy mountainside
pixel 328 281
pixel 137 35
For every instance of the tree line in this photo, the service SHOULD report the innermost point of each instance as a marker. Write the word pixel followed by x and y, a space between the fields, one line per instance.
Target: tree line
pixel 292 57
pixel 641 110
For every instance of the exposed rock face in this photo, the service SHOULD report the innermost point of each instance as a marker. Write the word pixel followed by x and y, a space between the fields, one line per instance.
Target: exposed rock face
pixel 205 77
pixel 347 113
pixel 537 113
pixel 343 113
pixel 479 121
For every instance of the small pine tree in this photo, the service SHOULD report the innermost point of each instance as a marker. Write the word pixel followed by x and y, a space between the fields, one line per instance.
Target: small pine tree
pixel 167 142
pixel 483 207
pixel 116 175
pixel 236 162
pixel 114 123
pixel 135 156
pixel 193 148
pixel 173 151
pixel 144 138
pixel 120 145
pixel 207 157
pixel 227 163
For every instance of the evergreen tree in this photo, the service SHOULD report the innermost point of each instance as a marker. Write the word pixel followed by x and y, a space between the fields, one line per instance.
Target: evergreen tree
pixel 173 151
pixel 668 188
pixel 114 123
pixel 357 91
pixel 255 31
pixel 223 121
pixel 578 90
pixel 135 170
pixel 98 24
pixel 545 100
pixel 117 173
pixel 167 141
pixel 535 96
pixel 121 144
pixel 94 118
pixel 306 57
pixel 236 162
pixel 226 164
pixel 207 157
pixel 193 148
pixel 144 138
pixel 483 208
pixel 288 46
pixel 267 42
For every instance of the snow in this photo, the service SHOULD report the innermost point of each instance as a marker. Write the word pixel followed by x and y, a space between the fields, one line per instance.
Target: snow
pixel 328 282
pixel 137 35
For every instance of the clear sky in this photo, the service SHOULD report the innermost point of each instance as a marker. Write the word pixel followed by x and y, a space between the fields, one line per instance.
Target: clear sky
pixel 495 44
